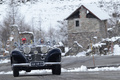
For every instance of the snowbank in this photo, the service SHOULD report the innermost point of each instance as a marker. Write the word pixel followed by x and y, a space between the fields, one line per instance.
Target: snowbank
pixel 98 44
pixel 116 50
pixel 80 69
pixel 4 61
pixel 113 39
pixel 81 54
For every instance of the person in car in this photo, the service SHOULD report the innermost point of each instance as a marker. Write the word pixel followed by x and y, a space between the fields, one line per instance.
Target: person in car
pixel 23 40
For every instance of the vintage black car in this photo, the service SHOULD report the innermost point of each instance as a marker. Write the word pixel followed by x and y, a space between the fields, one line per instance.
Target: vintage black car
pixel 31 57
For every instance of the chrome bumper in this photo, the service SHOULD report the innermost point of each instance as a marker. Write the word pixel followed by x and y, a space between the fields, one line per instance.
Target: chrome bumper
pixel 29 64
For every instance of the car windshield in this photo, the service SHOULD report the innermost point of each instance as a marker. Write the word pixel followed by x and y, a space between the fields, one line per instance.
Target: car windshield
pixel 28 38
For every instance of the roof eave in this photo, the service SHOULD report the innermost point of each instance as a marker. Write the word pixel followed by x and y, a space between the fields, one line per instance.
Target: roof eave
pixel 72 13
pixel 86 9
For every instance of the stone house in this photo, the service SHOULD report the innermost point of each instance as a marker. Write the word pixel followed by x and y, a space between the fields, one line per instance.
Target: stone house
pixel 87 24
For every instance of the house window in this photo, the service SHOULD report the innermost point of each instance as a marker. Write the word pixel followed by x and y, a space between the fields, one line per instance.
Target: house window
pixel 77 24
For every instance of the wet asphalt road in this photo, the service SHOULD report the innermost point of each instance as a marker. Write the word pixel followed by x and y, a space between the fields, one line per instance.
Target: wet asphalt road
pixel 72 62
pixel 107 75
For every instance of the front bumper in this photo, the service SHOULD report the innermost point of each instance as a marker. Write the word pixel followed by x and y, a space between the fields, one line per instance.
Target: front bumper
pixel 29 64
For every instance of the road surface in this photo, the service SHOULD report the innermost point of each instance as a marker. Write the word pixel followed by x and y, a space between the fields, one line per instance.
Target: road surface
pixel 72 62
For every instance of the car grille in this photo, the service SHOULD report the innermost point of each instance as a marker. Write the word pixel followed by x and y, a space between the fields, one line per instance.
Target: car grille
pixel 35 57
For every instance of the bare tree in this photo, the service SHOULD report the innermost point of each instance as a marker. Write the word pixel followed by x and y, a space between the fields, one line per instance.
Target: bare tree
pixel 5 30
pixel 51 33
pixel 39 34
pixel 22 25
pixel 62 32
pixel 12 17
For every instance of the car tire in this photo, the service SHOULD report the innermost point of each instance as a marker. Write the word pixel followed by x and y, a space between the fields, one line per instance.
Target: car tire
pixel 15 72
pixel 56 69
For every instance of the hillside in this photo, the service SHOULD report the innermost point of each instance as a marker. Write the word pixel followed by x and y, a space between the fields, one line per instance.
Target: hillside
pixel 46 13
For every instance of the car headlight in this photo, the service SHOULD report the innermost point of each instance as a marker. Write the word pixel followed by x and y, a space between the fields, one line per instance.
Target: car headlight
pixel 44 49
pixel 35 52
pixel 27 49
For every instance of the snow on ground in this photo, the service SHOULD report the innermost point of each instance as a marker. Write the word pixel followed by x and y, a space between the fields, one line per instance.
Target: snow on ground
pixel 66 50
pixel 4 61
pixel 79 69
pixel 116 50
pixel 84 68
pixel 81 54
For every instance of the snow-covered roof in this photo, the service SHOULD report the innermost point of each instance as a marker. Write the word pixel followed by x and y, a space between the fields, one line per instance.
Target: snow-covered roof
pixel 96 11
pixel 11 38
pixel 15 25
pixel 25 32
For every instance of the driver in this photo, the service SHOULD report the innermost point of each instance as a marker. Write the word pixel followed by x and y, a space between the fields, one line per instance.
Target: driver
pixel 23 40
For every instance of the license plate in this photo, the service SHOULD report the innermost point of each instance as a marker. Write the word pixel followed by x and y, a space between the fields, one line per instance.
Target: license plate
pixel 37 64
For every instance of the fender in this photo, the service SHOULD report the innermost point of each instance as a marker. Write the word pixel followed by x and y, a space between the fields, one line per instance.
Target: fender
pixel 17 57
pixel 53 56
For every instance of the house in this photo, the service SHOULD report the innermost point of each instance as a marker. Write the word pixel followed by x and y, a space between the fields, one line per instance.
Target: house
pixel 87 24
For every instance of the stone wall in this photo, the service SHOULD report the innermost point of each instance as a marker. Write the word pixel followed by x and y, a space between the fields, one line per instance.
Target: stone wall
pixel 103 29
pixel 83 38
pixel 83 12
pixel 86 25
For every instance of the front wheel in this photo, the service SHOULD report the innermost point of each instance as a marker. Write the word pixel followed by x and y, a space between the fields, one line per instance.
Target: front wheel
pixel 15 72
pixel 56 69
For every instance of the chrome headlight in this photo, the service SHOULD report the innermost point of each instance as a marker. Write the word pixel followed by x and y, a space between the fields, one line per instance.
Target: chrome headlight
pixel 44 49
pixel 27 49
